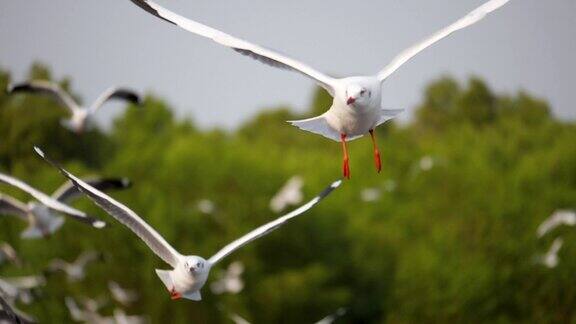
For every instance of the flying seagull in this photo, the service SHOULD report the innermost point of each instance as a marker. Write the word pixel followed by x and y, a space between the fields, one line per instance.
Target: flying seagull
pixel 230 281
pixel 550 259
pixel 40 214
pixel 189 272
pixel 75 271
pixel 289 194
pixel 21 288
pixel 10 314
pixel 333 317
pixel 80 115
pixel 123 296
pixel 7 253
pixel 559 217
pixel 356 109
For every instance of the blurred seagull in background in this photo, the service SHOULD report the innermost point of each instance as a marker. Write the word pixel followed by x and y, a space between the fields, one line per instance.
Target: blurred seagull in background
pixel 290 194
pixel 80 115
pixel 550 259
pixel 189 272
pixel 356 109
pixel 123 296
pixel 370 194
pixel 231 281
pixel 21 288
pixel 40 215
pixel 75 271
pixel 7 253
pixel 10 314
pixel 206 206
pixel 333 317
pixel 558 218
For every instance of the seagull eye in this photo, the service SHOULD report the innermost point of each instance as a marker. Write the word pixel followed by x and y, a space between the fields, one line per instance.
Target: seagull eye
pixel 362 92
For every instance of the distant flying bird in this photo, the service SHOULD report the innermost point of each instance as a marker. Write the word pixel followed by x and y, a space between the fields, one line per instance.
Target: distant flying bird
pixel 41 216
pixel 231 281
pixel 80 115
pixel 550 259
pixel 7 253
pixel 558 218
pixel 206 206
pixel 89 312
pixel 356 109
pixel 290 194
pixel 333 317
pixel 123 296
pixel 370 194
pixel 120 317
pixel 189 272
pixel 20 288
pixel 75 271
pixel 10 314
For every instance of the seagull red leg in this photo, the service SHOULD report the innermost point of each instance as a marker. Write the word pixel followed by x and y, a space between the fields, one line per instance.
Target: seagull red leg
pixel 346 165
pixel 174 294
pixel 377 159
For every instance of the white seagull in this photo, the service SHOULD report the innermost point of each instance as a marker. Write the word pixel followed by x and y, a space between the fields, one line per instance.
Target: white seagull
pixel 333 317
pixel 189 272
pixel 75 271
pixel 230 281
pixel 123 296
pixel 7 253
pixel 10 314
pixel 550 259
pixel 41 215
pixel 289 194
pixel 559 217
pixel 356 109
pixel 20 288
pixel 80 115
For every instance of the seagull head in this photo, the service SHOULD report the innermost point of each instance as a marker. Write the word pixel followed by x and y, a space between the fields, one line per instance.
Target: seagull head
pixel 195 264
pixel 357 95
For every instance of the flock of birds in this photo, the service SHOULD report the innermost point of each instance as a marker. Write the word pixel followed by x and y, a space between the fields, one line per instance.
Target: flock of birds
pixel 356 110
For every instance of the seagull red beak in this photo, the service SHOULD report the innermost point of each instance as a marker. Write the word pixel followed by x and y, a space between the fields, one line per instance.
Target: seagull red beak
pixel 350 101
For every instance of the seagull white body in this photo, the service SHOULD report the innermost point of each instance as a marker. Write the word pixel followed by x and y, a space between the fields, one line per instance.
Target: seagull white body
pixel 189 272
pixel 80 116
pixel 41 214
pixel 558 218
pixel 357 106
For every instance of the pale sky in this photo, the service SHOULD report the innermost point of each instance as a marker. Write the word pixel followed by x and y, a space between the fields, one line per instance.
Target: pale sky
pixel 528 44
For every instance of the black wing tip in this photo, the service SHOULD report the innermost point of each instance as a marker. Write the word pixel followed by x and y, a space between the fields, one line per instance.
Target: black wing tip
pixel 147 7
pixel 328 190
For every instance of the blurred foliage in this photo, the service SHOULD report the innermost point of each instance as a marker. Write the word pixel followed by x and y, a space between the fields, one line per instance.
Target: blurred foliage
pixel 452 237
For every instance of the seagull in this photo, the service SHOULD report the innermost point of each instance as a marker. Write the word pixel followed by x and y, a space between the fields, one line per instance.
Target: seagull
pixel 120 317
pixel 559 217
pixel 206 206
pixel 123 296
pixel 231 281
pixel 189 272
pixel 89 313
pixel 75 271
pixel 333 317
pixel 80 115
pixel 40 214
pixel 21 288
pixel 370 194
pixel 10 314
pixel 7 253
pixel 290 194
pixel 550 259
pixel 356 109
